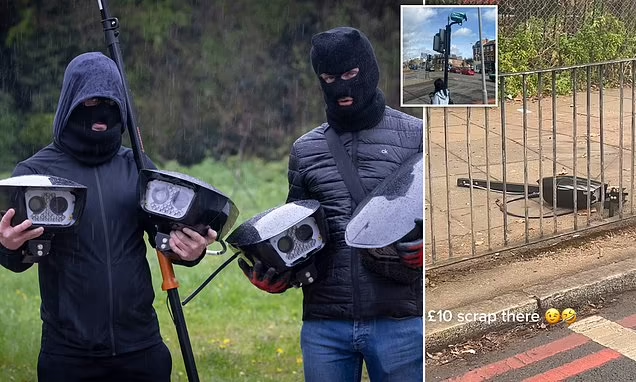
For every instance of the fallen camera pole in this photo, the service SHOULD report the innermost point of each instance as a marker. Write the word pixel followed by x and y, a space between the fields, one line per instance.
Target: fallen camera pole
pixel 587 191
pixel 170 283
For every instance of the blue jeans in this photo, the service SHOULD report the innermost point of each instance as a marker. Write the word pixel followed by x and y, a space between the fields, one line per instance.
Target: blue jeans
pixel 392 349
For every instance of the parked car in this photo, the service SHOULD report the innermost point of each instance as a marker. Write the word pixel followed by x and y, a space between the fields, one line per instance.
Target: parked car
pixel 492 77
pixel 468 71
pixel 455 70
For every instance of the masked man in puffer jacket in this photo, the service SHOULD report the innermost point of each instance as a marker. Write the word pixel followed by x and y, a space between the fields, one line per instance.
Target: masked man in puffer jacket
pixel 98 322
pixel 352 314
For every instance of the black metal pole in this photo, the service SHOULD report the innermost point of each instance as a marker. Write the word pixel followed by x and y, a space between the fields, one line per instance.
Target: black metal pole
pixel 111 34
pixel 170 285
pixel 447 47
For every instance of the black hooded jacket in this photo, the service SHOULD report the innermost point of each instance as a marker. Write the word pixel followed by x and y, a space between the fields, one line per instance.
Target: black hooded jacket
pixel 95 283
pixel 345 289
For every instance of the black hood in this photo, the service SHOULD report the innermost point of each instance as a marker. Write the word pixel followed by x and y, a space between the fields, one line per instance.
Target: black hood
pixel 90 75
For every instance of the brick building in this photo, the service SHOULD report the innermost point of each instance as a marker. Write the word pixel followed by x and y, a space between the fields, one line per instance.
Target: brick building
pixel 489 56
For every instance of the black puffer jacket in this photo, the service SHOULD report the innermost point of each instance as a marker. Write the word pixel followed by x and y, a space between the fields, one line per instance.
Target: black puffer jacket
pixel 345 288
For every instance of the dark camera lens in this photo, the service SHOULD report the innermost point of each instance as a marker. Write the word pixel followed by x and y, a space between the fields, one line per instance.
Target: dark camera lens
pixel 37 204
pixel 285 244
pixel 304 232
pixel 160 194
pixel 58 205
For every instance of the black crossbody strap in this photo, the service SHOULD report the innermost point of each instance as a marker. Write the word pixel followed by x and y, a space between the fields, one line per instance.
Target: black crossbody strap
pixel 345 166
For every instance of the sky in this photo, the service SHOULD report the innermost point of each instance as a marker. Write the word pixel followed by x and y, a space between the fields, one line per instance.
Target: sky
pixel 421 23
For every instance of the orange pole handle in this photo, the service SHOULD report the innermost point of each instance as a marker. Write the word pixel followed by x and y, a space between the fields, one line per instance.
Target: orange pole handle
pixel 167 272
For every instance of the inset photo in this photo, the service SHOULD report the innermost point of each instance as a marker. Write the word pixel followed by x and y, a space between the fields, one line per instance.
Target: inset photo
pixel 449 55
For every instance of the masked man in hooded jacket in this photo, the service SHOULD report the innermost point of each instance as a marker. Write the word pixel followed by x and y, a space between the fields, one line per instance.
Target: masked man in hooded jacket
pixel 351 313
pixel 98 322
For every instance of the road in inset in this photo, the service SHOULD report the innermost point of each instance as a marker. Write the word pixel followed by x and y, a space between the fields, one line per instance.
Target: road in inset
pixel 464 89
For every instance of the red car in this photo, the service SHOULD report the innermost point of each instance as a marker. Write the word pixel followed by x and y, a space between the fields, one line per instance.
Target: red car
pixel 468 71
pixel 455 70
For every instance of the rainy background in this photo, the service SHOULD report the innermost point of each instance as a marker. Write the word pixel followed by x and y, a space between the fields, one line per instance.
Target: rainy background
pixel 221 89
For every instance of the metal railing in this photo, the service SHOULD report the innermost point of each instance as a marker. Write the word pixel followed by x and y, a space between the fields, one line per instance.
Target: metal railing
pixel 493 174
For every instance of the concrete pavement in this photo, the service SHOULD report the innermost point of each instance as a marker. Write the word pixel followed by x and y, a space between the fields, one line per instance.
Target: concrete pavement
pixel 598 347
pixel 488 294
pixel 540 141
pixel 468 302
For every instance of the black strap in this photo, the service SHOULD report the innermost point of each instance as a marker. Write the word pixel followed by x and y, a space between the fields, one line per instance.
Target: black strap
pixel 345 166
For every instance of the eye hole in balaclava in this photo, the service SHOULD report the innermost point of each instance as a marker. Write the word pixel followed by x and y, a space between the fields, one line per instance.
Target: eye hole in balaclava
pixel 335 53
pixel 84 136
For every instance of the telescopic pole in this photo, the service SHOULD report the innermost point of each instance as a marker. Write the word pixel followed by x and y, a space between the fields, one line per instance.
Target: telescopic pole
pixel 170 283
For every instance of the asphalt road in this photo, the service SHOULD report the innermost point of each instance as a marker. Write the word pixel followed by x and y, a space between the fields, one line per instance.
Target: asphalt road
pixel 465 89
pixel 607 352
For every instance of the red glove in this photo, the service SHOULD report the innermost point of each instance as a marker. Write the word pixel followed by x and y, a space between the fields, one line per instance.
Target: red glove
pixel 411 252
pixel 269 281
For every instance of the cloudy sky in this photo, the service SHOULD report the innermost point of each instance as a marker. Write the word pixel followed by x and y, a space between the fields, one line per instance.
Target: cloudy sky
pixel 421 23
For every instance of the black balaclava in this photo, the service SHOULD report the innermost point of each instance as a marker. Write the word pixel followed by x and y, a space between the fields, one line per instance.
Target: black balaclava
pixel 88 146
pixel 335 52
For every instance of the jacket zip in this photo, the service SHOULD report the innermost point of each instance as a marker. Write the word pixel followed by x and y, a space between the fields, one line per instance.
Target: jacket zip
pixel 108 262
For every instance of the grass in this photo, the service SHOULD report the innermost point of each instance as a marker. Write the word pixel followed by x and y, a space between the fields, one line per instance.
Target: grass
pixel 238 333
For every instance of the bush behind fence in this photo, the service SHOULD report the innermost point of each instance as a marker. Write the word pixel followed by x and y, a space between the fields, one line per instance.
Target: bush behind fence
pixel 538 34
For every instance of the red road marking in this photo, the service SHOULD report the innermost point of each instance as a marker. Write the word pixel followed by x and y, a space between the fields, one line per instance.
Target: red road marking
pixel 577 367
pixel 540 353
pixel 524 359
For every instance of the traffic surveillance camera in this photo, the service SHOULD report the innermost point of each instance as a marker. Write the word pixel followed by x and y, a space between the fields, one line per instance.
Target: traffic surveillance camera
pixel 51 202
pixel 390 211
pixel 174 200
pixel 284 238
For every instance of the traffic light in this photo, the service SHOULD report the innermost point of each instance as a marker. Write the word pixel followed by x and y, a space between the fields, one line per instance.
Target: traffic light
pixel 439 41
pixel 437 46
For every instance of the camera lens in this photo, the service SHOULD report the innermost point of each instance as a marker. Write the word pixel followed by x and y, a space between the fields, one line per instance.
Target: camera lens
pixel 285 244
pixel 58 205
pixel 37 204
pixel 304 232
pixel 180 200
pixel 160 194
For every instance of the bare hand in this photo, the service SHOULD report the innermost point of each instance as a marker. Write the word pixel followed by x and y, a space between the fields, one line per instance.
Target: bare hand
pixel 189 244
pixel 13 238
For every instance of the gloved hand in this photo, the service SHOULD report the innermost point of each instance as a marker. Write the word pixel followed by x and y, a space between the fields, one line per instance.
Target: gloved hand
pixel 411 252
pixel 266 279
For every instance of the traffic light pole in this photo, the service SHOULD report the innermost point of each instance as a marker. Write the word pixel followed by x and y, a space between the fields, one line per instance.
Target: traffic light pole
pixel 458 18
pixel 447 47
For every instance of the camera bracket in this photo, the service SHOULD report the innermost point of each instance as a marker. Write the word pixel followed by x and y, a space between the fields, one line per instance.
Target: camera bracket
pixel 38 248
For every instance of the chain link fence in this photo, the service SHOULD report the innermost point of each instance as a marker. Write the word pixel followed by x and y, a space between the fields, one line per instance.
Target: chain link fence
pixel 550 34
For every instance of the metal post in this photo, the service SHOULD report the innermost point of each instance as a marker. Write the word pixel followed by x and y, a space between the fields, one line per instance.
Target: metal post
pixel 170 283
pixel 483 69
pixel 447 47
